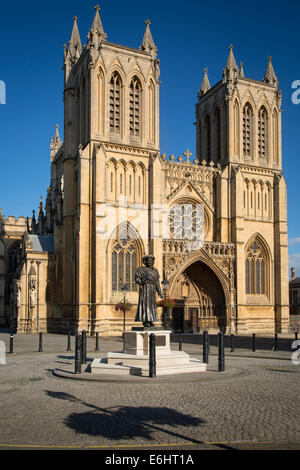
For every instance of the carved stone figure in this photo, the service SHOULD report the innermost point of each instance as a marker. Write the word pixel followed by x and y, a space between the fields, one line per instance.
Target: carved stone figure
pixel 32 296
pixel 147 277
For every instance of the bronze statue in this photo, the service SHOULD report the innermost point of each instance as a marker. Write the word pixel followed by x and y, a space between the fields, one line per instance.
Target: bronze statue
pixel 147 277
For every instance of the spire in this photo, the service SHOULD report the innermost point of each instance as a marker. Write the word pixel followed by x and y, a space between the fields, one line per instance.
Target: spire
pixel 270 76
pixel 242 74
pixel 148 43
pixel 56 137
pixel 75 47
pixel 55 145
pixel 97 26
pixel 205 84
pixel 231 63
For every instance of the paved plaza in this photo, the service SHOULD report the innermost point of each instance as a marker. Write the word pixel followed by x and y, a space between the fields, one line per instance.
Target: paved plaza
pixel 254 404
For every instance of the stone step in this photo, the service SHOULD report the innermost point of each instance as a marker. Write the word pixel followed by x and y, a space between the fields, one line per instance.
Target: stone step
pixel 164 359
pixel 101 366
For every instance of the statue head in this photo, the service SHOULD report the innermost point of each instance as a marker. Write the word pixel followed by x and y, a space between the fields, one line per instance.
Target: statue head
pixel 148 260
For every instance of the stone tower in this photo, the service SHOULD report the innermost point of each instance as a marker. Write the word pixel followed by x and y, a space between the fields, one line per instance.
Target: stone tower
pixel 238 125
pixel 111 101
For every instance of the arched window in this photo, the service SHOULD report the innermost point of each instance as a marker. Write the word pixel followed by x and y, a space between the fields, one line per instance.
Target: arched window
pixel 135 94
pixel 247 129
pixel 275 137
pixel 208 138
pixel 115 103
pixel 256 265
pixel 125 260
pixel 262 132
pixel 111 182
pixel 218 133
pixel 236 115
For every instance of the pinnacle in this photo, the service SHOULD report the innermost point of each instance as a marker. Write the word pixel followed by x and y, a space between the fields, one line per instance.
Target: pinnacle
pixel 231 63
pixel 75 42
pixel 205 83
pixel 270 76
pixel 97 23
pixel 148 43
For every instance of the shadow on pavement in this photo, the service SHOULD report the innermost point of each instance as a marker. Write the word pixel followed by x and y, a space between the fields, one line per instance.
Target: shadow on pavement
pixel 127 422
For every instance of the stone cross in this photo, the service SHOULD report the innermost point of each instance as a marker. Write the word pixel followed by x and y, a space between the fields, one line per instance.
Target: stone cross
pixel 187 154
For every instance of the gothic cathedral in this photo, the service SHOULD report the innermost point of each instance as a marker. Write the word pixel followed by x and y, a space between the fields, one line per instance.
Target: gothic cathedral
pixel 69 266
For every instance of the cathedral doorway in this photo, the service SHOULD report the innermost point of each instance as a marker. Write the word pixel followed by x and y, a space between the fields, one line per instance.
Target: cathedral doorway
pixel 200 300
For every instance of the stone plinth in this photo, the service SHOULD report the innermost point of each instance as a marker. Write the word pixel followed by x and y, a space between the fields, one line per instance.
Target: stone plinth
pixel 134 360
pixel 136 342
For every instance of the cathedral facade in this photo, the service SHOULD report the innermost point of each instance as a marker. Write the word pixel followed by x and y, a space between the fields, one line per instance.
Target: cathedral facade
pixel 115 197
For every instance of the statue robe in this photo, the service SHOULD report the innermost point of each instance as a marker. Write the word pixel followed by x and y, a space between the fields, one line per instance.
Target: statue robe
pixel 148 280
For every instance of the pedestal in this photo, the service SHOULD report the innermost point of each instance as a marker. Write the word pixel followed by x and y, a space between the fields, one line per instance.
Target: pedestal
pixel 134 360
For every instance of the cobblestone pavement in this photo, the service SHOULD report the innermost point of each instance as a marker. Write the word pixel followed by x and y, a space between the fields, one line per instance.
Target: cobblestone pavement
pixel 254 404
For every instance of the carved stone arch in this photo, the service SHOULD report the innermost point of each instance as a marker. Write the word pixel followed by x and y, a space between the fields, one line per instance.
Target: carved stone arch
pixel 112 160
pixel 122 162
pixel 248 97
pixel 136 72
pixel 132 163
pixel 215 273
pixel 116 66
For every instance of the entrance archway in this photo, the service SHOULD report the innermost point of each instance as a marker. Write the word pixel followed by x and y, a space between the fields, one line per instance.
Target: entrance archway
pixel 200 300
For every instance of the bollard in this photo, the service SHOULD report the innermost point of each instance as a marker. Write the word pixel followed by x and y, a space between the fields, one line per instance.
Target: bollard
pixel 232 343
pixel 69 341
pixel 180 343
pixel 97 342
pixel 275 347
pixel 253 342
pixel 40 342
pixel 152 357
pixel 78 354
pixel 205 347
pixel 83 347
pixel 11 344
pixel 221 353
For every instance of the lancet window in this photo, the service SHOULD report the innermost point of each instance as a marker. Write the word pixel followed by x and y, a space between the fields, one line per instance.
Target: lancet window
pixel 256 264
pixel 135 93
pixel 124 262
pixel 115 103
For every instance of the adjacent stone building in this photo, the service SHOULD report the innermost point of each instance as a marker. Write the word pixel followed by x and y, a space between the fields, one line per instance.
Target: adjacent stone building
pixel 71 264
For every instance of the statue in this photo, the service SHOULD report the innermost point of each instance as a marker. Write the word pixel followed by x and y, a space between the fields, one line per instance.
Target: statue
pixel 18 301
pixel 32 297
pixel 147 277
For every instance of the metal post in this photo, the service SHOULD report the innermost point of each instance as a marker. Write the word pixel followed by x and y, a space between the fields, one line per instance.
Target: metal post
pixel 275 347
pixel 221 353
pixel 152 357
pixel 97 342
pixel 83 348
pixel 78 354
pixel 180 342
pixel 232 343
pixel 205 347
pixel 11 344
pixel 40 342
pixel 296 336
pixel 253 342
pixel 69 341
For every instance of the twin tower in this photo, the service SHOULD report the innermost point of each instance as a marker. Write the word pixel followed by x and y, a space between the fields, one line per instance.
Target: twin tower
pixel 238 279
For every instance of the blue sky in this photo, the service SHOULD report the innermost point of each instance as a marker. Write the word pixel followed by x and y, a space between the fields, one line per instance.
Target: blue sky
pixel 189 35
